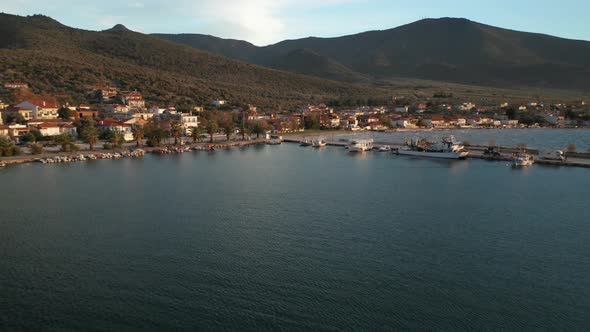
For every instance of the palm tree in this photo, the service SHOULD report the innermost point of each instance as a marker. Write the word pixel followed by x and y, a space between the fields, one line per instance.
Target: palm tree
pixel 138 134
pixel 176 131
pixel 212 127
pixel 90 136
pixel 65 140
pixel 196 134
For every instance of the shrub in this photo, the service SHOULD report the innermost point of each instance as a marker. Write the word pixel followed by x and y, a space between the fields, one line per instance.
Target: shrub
pixel 107 146
pixel 36 148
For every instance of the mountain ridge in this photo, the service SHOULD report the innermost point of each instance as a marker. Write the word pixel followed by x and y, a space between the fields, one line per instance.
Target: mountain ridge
pixel 58 59
pixel 455 50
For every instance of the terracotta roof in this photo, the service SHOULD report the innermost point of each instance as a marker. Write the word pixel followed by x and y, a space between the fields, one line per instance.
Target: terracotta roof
pixel 48 125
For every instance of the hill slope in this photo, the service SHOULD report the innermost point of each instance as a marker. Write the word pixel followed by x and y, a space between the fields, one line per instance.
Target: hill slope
pixel 452 50
pixel 54 58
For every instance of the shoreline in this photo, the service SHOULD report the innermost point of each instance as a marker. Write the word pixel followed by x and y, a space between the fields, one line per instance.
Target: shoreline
pixel 200 146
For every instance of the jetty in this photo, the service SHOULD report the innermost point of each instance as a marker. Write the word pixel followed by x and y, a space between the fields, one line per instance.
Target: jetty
pixel 477 152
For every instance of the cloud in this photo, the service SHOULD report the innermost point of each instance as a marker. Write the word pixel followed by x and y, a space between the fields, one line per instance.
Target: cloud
pixel 258 21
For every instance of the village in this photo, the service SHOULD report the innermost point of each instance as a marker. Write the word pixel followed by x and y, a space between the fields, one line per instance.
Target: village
pixel 118 117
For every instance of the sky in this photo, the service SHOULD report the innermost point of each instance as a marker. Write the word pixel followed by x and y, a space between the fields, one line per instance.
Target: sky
pixel 264 22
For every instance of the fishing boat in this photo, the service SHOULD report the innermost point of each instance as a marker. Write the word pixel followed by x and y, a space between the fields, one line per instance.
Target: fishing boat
pixel 522 159
pixel 305 142
pixel 448 148
pixel 360 145
pixel 319 143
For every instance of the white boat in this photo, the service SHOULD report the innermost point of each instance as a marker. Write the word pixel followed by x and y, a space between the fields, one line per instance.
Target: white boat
pixel 384 148
pixel 273 141
pixel 360 145
pixel 319 143
pixel 522 159
pixel 448 148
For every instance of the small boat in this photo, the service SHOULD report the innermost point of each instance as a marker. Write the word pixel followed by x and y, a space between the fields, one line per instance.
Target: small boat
pixel 384 148
pixel 361 145
pixel 273 142
pixel 2 165
pixel 522 159
pixel 305 142
pixel 319 143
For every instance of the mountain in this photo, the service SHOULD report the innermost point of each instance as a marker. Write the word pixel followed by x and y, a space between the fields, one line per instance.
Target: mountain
pixel 57 59
pixel 446 49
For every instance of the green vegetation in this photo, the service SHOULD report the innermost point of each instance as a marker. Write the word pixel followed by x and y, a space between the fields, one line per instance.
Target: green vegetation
pixel 7 148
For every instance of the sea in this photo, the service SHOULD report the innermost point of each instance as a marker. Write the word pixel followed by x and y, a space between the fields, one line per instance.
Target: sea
pixel 296 239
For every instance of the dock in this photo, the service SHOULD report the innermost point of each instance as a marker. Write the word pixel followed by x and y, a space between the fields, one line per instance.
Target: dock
pixel 476 152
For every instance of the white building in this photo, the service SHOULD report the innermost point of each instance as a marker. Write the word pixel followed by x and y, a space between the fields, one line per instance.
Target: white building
pixel 189 122
pixel 41 109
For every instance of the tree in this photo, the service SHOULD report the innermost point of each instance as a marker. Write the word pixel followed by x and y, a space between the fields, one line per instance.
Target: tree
pixel 258 128
pixel 227 124
pixel 64 113
pixel 117 140
pixel 196 134
pixel 29 138
pixel 36 148
pixel 154 134
pixel 90 135
pixel 386 121
pixel 211 127
pixel 15 118
pixel 511 113
pixel 138 134
pixel 66 141
pixel 176 131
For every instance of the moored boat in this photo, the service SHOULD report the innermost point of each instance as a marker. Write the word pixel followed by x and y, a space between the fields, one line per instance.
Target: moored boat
pixel 360 145
pixel 384 148
pixel 305 142
pixel 522 159
pixel 319 143
pixel 448 148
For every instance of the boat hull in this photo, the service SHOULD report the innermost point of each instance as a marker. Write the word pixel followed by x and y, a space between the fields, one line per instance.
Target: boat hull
pixel 440 155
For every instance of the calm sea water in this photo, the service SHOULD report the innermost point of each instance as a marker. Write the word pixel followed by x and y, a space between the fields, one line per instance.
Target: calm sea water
pixel 541 138
pixel 291 238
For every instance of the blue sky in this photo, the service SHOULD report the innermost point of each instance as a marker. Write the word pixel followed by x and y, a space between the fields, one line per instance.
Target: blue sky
pixel 268 21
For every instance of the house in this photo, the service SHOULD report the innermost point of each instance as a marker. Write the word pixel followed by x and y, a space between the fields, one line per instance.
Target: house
pixel 87 113
pixel 41 109
pixel 4 131
pixel 135 122
pixel 133 99
pixel 2 105
pixel 26 113
pixel 114 125
pixel 69 129
pixel 154 109
pixel 117 108
pixel 218 103
pixel 405 123
pixel 509 123
pixel 106 92
pixel 403 109
pixel 434 121
pixel 475 121
pixel 189 122
pixel 144 115
pixel 466 106
pixel 16 85
pixel 16 131
pixel 49 129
